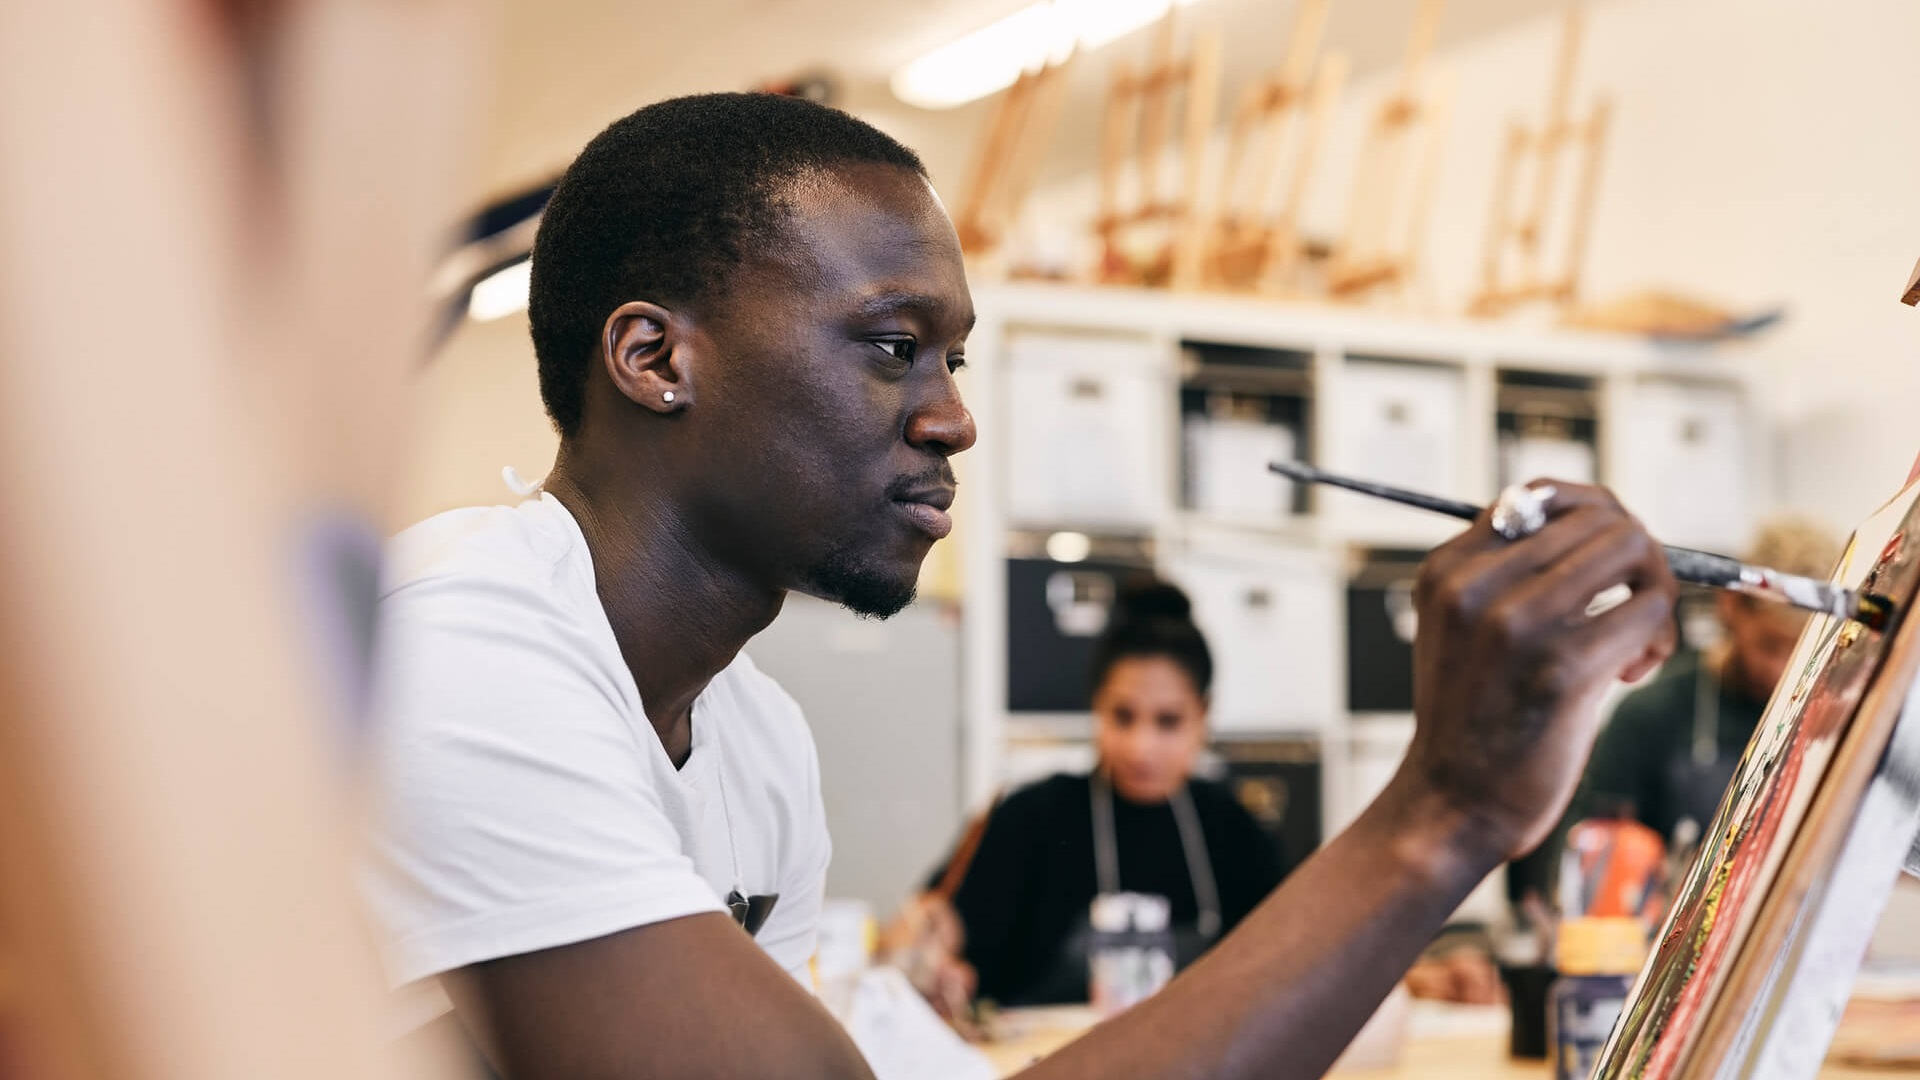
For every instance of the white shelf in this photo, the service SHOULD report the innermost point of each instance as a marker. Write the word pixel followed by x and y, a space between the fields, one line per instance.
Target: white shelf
pixel 1158 323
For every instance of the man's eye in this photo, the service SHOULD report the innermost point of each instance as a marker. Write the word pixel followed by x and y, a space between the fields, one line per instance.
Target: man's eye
pixel 901 349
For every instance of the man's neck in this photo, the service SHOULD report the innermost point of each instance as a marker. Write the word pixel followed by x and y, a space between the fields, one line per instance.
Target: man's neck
pixel 679 616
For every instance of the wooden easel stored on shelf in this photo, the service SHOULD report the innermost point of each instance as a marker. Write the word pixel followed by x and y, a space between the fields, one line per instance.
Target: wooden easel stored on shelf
pixel 1519 236
pixel 1154 237
pixel 1252 242
pixel 1393 184
pixel 1008 156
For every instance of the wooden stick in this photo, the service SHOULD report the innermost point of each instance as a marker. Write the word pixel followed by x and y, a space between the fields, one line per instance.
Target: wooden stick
pixel 1303 46
pixel 973 221
pixel 1438 115
pixel 1498 224
pixel 1283 253
pixel 1115 143
pixel 1426 26
pixel 1157 107
pixel 1042 117
pixel 1596 141
pixel 1550 139
pixel 1203 89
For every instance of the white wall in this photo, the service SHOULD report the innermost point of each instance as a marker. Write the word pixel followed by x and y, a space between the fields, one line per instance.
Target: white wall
pixel 479 409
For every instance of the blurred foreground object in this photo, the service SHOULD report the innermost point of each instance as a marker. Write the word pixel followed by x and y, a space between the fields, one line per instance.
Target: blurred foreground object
pixel 217 221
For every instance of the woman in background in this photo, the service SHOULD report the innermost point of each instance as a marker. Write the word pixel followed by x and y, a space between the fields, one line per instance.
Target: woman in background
pixel 1140 823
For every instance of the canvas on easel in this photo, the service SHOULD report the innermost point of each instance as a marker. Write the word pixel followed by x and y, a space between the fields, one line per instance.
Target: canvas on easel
pixel 1399 164
pixel 1148 224
pixel 1755 961
pixel 1514 268
pixel 1252 232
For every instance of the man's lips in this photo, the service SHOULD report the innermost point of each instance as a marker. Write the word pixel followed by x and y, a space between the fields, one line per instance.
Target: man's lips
pixel 927 509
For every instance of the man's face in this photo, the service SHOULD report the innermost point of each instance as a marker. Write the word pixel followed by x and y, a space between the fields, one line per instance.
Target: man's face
pixel 826 424
pixel 1762 637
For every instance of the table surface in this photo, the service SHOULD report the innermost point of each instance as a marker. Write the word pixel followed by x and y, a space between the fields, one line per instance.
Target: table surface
pixel 1440 1048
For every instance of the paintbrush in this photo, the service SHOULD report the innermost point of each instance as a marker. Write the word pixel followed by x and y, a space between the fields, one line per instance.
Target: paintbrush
pixel 1871 610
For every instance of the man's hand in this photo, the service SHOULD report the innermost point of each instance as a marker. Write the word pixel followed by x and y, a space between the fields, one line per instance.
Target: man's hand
pixel 1509 668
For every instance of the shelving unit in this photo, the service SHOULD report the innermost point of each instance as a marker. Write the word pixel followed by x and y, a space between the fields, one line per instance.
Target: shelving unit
pixel 1087 400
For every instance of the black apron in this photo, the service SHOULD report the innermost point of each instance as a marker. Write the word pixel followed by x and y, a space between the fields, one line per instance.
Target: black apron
pixel 1065 979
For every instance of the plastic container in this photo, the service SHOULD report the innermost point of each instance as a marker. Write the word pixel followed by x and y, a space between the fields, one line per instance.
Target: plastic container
pixel 1131 956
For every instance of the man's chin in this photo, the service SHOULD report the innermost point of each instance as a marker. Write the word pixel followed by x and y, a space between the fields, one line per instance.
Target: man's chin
pixel 868 591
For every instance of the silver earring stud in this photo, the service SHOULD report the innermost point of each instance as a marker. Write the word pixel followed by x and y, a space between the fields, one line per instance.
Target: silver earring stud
pixel 667 397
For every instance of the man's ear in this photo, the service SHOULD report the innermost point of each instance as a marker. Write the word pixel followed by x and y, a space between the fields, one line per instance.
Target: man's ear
pixel 642 347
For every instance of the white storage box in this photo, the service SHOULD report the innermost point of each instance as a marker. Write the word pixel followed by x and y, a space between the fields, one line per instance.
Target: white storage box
pixel 1685 449
pixel 1398 423
pixel 1089 430
pixel 1227 472
pixel 1273 621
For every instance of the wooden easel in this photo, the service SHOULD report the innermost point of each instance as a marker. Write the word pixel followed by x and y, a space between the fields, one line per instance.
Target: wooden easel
pixel 1009 154
pixel 1155 237
pixel 1252 243
pixel 1387 211
pixel 1523 235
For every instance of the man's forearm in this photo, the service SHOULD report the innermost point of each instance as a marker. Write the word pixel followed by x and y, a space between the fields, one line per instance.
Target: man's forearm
pixel 1286 991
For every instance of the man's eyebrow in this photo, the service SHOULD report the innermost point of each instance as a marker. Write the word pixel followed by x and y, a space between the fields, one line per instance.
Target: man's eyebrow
pixel 895 301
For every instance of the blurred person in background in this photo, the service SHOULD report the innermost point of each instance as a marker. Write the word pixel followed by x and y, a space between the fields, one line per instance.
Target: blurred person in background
pixel 1669 751
pixel 1022 882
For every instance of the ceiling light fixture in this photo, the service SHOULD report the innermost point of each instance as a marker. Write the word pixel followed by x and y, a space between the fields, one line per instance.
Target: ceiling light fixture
pixel 992 57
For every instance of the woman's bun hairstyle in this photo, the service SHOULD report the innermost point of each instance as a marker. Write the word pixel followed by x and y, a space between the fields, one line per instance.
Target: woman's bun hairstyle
pixel 1152 599
pixel 1153 618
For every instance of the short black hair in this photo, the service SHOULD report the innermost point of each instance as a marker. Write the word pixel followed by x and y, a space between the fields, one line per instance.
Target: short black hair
pixel 663 204
pixel 1153 618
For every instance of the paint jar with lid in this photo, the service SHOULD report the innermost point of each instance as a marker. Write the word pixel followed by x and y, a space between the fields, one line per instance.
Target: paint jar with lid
pixel 1599 958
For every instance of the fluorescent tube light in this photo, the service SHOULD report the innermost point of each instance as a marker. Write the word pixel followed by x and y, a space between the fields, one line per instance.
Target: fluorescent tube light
pixel 992 57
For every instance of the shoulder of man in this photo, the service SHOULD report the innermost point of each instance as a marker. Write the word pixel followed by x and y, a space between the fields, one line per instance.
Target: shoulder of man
pixel 520 794
pixel 508 545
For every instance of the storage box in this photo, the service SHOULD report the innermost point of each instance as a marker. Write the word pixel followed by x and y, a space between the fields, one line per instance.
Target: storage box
pixel 1227 474
pixel 1055 613
pixel 1685 455
pixel 1395 422
pixel 1549 427
pixel 1279 784
pixel 1273 622
pixel 1380 629
pixel 1089 431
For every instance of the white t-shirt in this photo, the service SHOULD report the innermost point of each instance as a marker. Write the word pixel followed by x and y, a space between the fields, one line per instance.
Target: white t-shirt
pixel 526 800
